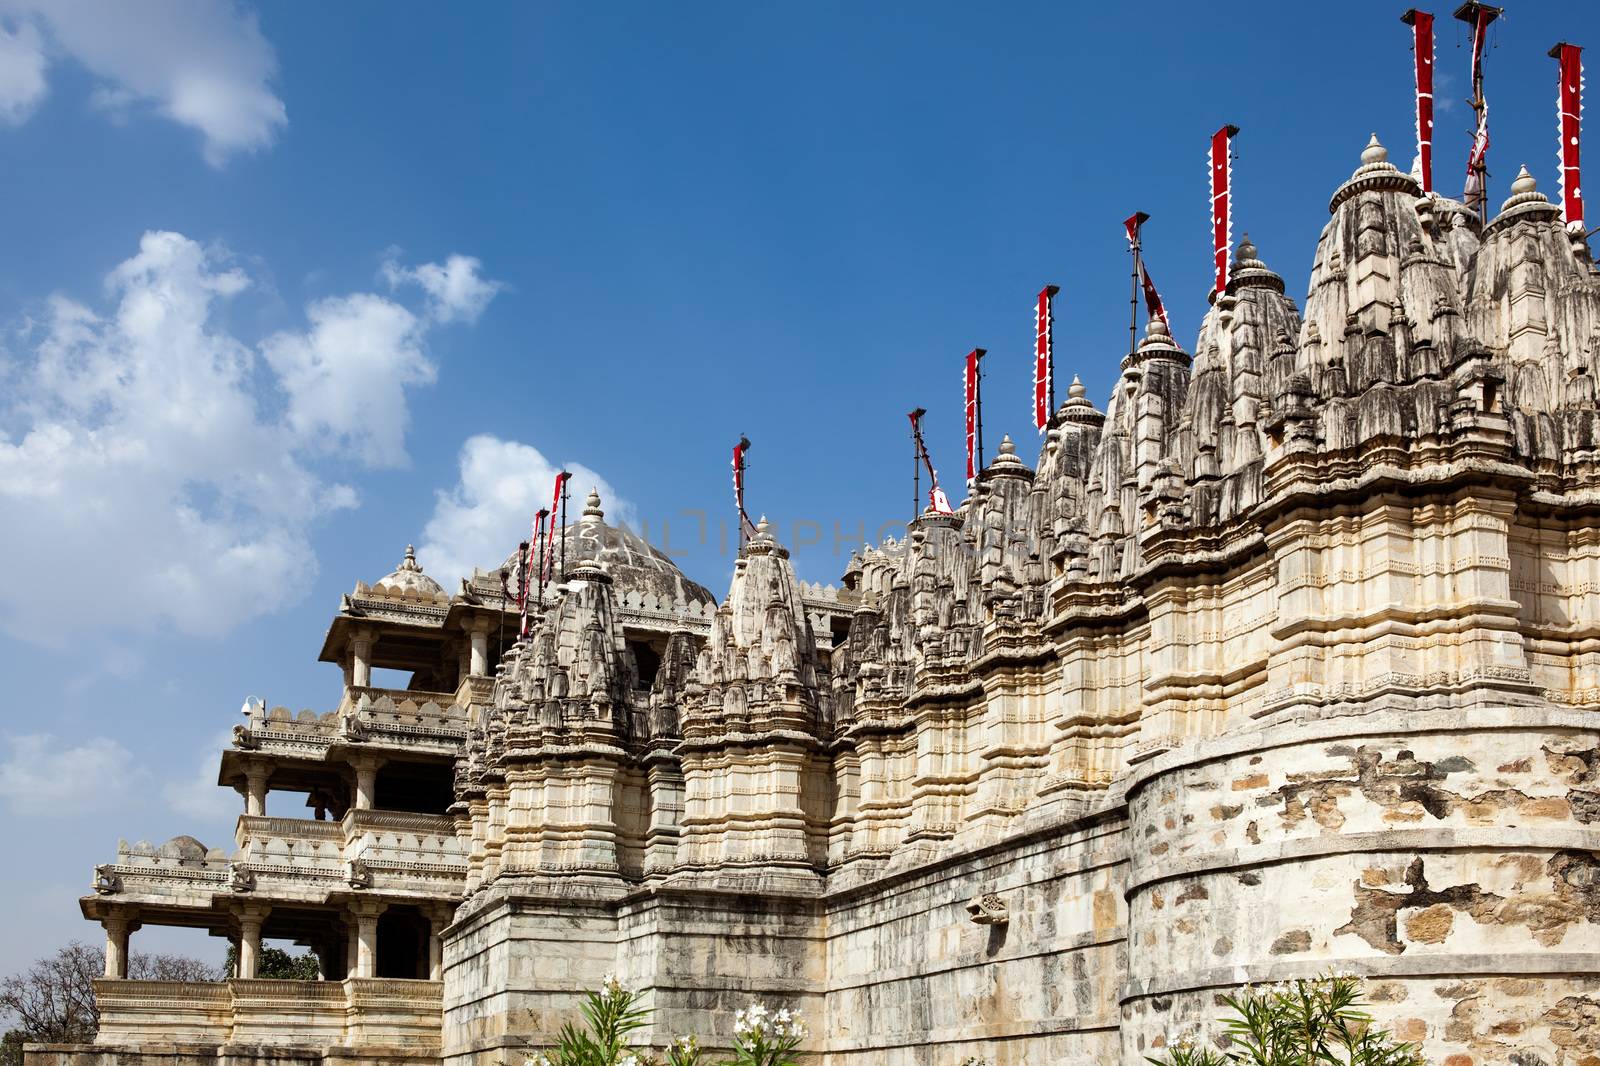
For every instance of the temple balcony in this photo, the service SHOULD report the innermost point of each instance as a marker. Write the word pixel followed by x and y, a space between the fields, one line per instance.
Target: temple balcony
pixel 358 1011
pixel 385 851
pixel 396 853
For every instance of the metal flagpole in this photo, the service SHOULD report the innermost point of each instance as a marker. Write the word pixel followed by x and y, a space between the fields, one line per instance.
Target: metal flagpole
pixel 565 492
pixel 1478 16
pixel 542 547
pixel 1133 294
pixel 916 465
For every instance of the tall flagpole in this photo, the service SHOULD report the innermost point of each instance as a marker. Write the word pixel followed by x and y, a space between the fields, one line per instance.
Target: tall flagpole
pixel 916 464
pixel 1478 16
pixel 565 477
pixel 1137 240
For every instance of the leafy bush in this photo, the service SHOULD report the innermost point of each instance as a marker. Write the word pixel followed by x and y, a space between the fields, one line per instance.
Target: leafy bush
pixel 1309 1022
pixel 275 963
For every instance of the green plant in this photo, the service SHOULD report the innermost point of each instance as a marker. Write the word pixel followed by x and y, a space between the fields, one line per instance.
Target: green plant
pixel 277 964
pixel 1308 1022
pixel 610 1014
pixel 761 1037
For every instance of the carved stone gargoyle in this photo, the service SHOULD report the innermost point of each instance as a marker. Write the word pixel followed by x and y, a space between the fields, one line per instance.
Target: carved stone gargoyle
pixel 106 883
pixel 357 875
pixel 241 879
pixel 988 909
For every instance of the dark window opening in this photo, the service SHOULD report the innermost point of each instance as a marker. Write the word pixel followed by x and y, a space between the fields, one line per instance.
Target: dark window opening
pixel 403 944
pixel 417 788
pixel 645 662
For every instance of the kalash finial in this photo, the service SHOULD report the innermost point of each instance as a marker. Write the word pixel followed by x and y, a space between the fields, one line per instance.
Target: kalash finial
pixel 1247 249
pixel 1006 447
pixel 1157 328
pixel 591 506
pixel 1524 182
pixel 1077 391
pixel 1374 152
pixel 410 561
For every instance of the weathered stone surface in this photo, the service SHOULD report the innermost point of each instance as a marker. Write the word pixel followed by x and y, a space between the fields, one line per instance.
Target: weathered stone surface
pixel 1285 661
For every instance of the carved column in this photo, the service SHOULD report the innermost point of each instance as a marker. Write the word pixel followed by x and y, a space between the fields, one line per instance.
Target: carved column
pixel 366 792
pixel 255 797
pixel 479 632
pixel 366 913
pixel 117 930
pixel 352 947
pixel 438 920
pixel 250 920
pixel 361 642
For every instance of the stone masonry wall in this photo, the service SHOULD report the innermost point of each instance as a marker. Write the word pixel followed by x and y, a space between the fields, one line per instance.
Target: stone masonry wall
pixel 1443 853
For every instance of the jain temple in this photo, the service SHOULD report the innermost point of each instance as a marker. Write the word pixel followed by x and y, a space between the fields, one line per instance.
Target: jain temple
pixel 1282 658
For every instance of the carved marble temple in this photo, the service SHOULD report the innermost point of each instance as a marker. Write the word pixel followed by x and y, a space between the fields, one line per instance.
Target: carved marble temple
pixel 1286 660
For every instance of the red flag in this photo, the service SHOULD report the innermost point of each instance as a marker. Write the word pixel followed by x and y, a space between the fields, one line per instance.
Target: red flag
pixel 970 381
pixel 1569 120
pixel 1044 355
pixel 1421 24
pixel 1221 167
pixel 1134 224
pixel 555 508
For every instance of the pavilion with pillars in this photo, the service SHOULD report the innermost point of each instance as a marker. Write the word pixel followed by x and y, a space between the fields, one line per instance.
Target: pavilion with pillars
pixel 368 876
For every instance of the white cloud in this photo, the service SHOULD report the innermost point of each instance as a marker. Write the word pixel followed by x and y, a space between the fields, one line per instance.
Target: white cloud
pixel 456 290
pixel 22 66
pixel 198 795
pixel 502 485
pixel 346 378
pixel 42 776
pixel 145 474
pixel 201 63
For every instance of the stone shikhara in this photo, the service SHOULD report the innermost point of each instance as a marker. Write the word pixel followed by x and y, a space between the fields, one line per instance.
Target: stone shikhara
pixel 1287 660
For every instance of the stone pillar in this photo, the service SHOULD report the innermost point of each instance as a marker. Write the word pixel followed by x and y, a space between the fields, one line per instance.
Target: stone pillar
pixel 366 912
pixel 117 930
pixel 255 797
pixel 250 941
pixel 438 920
pixel 361 642
pixel 480 651
pixel 366 793
pixel 352 947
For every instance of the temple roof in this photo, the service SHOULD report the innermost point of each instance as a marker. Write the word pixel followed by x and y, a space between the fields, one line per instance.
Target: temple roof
pixel 408 577
pixel 632 564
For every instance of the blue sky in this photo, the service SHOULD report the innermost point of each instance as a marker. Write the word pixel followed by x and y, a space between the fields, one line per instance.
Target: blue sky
pixel 287 287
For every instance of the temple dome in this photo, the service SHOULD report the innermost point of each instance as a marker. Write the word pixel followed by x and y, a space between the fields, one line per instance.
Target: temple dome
pixel 408 577
pixel 632 564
